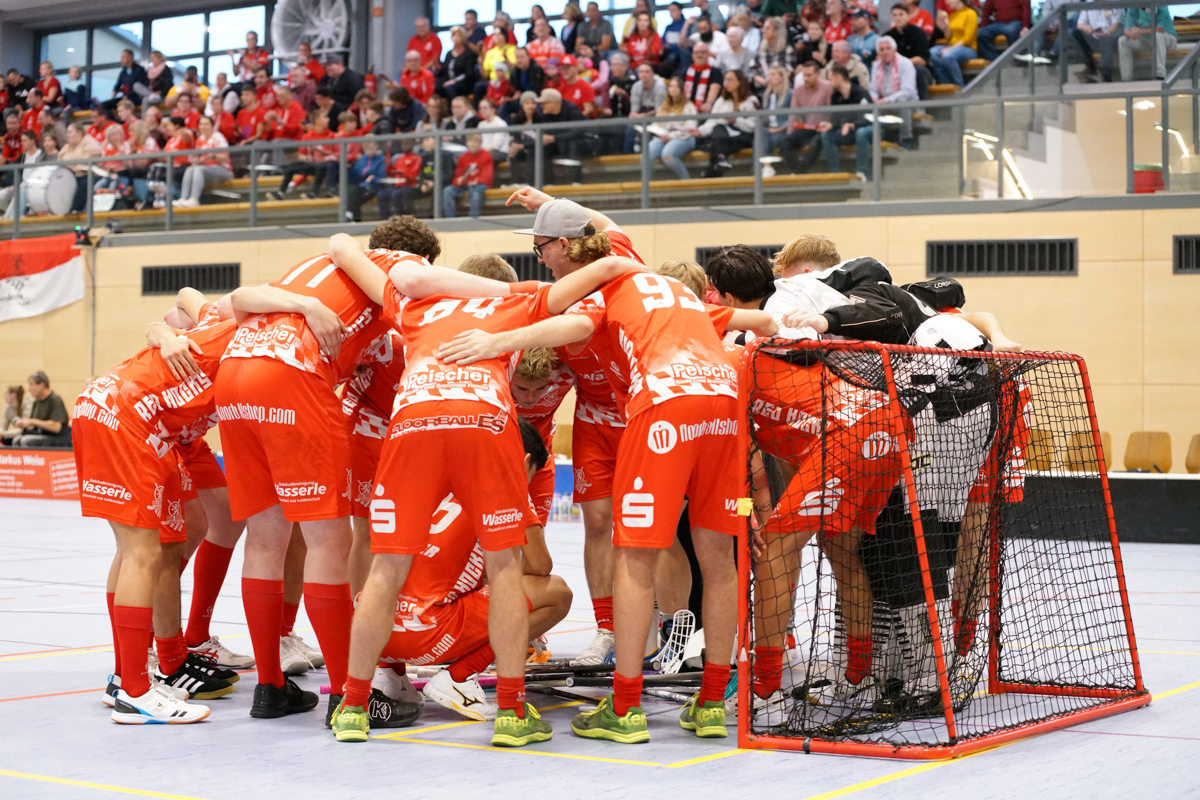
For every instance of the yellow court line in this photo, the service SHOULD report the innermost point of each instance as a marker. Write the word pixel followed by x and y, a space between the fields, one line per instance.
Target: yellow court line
pixel 564 705
pixel 895 776
pixel 703 759
pixel 531 752
pixel 1176 690
pixel 100 786
pixel 430 729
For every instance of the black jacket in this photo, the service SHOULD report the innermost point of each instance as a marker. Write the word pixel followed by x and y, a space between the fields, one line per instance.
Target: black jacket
pixel 855 111
pixel 912 43
pixel 529 80
pixel 127 77
pixel 568 113
pixel 343 88
pixel 879 310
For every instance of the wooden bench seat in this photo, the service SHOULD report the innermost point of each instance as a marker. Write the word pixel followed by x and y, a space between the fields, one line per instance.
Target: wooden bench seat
pixel 211 208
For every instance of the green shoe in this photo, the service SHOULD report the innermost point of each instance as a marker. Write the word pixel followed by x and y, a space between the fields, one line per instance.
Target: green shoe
pixel 350 723
pixel 603 723
pixel 708 720
pixel 512 731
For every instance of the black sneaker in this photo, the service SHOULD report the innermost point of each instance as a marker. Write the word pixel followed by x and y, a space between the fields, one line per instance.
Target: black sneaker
pixel 272 702
pixel 210 666
pixel 193 678
pixel 335 700
pixel 388 712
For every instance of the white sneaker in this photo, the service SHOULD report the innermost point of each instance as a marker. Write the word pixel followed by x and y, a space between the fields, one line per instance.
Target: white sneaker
pixel 397 687
pixel 151 661
pixel 602 648
pixel 156 707
pixel 291 660
pixel 311 653
pixel 467 698
pixel 772 710
pixel 214 651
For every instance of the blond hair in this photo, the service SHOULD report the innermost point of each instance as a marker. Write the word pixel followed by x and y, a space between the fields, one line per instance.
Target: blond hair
pixel 536 364
pixel 587 249
pixel 689 273
pixel 808 248
pixel 489 265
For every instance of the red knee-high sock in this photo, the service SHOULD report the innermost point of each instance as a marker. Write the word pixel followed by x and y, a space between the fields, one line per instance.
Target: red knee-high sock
pixel 604 612
pixel 171 653
pixel 331 611
pixel 357 691
pixel 112 621
pixel 859 665
pixel 475 661
pixel 714 683
pixel 263 601
pixel 627 693
pixel 289 618
pixel 212 564
pixel 134 625
pixel 768 670
pixel 510 694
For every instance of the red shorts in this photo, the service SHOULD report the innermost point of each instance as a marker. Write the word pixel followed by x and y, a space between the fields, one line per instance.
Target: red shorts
pixel 419 467
pixel 594 455
pixel 364 460
pixel 541 491
pixel 295 455
pixel 693 446
pixel 201 465
pixel 844 484
pixel 461 627
pixel 122 479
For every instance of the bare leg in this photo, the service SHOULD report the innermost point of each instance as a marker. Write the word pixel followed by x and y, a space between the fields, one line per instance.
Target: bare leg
pixel 293 567
pixel 508 613
pixel 140 557
pixel 267 537
pixel 114 569
pixel 714 551
pixel 598 547
pixel 551 600
pixel 969 589
pixel 376 613
pixel 633 605
pixel 167 611
pixel 360 554
pixel 854 589
pixel 328 541
pixel 673 579
pixel 775 574
pixel 223 530
pixel 196 521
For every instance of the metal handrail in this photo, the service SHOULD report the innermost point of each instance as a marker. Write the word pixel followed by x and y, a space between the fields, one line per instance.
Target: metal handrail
pixel 1189 61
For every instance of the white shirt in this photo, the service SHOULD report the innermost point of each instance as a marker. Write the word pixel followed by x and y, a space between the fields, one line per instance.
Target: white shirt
pixel 718 45
pixel 494 141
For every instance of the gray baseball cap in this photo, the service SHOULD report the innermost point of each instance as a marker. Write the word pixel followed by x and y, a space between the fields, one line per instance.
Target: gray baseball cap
pixel 561 217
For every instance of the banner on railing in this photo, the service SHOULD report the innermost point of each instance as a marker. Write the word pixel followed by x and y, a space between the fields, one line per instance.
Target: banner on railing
pixel 39 275
pixel 48 474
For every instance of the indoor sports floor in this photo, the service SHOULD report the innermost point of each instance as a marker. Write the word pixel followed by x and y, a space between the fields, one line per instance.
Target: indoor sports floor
pixel 58 741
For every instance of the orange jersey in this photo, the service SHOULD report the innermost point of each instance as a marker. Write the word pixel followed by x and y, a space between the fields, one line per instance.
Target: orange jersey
pixel 369 394
pixel 450 566
pixel 287 338
pixel 541 414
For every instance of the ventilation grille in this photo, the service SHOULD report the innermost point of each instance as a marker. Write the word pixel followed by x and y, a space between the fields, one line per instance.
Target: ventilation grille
pixel 527 267
pixel 1187 255
pixel 206 278
pixel 703 254
pixel 1003 257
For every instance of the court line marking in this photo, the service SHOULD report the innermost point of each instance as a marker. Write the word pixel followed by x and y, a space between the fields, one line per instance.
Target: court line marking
pixel 54 650
pixel 399 734
pixel 1138 735
pixel 1176 690
pixel 52 694
pixel 532 752
pixel 101 648
pixel 705 759
pixel 100 786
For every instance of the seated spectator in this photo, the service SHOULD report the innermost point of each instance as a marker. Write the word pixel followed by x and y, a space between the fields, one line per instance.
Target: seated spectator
pixel 311 66
pixel 596 31
pixel 48 424
pixel 620 85
pixel 462 118
pixel 536 12
pixel 702 80
pixel 52 144
pixel 473 177
pixel 75 90
pixel 553 75
pixel 287 119
pixel 179 137
pixel 777 95
pixel 751 35
pixel 837 22
pixel 642 45
pixel 680 138
pixel 846 127
pixel 347 129
pixel 403 182
pixel 28 154
pixel 126 115
pixel 707 34
pixel 576 90
pixel 1145 29
pixel 499 90
pixel 187 112
pixel 418 80
pixel 710 10
pixel 894 80
pixel 223 95
pixel 814 47
pixel 12 140
pixel 49 86
pixel 774 51
pixel 476 35
pixel 1098 31
pixel 192 86
pixel 592 69
pixel 526 76
pixel 862 41
pixel 245 62
pixel 133 84
pixel 100 123
pixel 673 39
pixel 79 146
pixel 118 179
pixel 405 113
pixel 343 83
pixel 809 91
pixel 358 108
pixel 304 89
pixel 955 42
pixel 460 68
pixel 366 176
pixel 645 98
pixel 504 22
pixel 263 85
pixel 499 52
pixel 913 44
pixel 140 141
pixel 572 16
pixel 17 405
pixel 737 57
pixel 47 121
pixel 436 112
pixel 729 134
pixel 311 161
pixel 427 44
pixel 1008 17
pixel 207 168
pixel 523 145
pixel 161 80
pixel 29 120
pixel 16 88
pixel 251 123
pixel 854 66
pixel 225 123
pixel 544 46
pixel 378 123
pixel 575 144
pixel 495 138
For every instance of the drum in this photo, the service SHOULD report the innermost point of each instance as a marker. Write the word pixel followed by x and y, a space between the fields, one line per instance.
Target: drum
pixel 50 189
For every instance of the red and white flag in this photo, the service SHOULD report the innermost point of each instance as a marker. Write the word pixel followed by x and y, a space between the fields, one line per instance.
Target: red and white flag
pixel 39 275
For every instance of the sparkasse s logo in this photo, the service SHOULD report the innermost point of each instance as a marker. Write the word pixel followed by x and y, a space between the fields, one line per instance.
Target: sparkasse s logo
pixel 662 437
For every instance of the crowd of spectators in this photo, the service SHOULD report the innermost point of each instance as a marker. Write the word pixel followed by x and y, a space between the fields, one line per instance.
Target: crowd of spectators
pixel 35 416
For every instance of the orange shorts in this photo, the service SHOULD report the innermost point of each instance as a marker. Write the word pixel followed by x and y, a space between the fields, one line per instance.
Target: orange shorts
pixel 461 627
pixel 364 460
pixel 295 455
pixel 690 445
pixel 419 467
pixel 594 455
pixel 123 479
pixel 845 483
pixel 201 465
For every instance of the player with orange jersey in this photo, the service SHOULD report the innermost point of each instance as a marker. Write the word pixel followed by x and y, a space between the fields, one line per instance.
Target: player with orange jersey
pixel 287 453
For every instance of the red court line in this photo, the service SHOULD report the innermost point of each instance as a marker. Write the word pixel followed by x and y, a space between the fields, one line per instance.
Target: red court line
pixel 572 630
pixel 52 694
pixel 59 650
pixel 1138 735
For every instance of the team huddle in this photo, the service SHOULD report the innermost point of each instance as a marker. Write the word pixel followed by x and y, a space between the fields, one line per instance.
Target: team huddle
pixel 387 426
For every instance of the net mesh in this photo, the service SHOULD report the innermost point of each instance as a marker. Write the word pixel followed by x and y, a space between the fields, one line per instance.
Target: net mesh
pixel 865 455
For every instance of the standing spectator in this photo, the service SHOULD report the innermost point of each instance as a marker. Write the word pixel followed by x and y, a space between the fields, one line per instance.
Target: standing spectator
pixel 544 46
pixel 405 112
pixel 920 17
pixel 458 72
pixel 1098 31
pixel 160 77
pixel 570 30
pixel 100 123
pixel 576 90
pixel 846 127
pixel 366 176
pixel 1008 17
pixel 427 43
pixel 75 90
pixel 476 35
pixel 854 66
pixel 729 134
pixel 17 87
pixel 738 57
pixel 777 95
pixel 49 86
pixel 862 42
pixel 713 12
pixel 343 83
pixel 837 23
pixel 642 45
pixel 702 80
pixel 814 47
pixel 707 34
pixel 680 139
pixel 894 80
pixel 1146 28
pixel 473 176
pixel 913 44
pixel 418 80
pixel 526 76
pixel 774 51
pixel 396 196
pixel 495 140
pixel 133 83
pixel 810 91
pixel 645 98
pixel 245 62
pixel 597 31
pixel 48 424
pixel 956 41
pixel 206 168
pixel 311 66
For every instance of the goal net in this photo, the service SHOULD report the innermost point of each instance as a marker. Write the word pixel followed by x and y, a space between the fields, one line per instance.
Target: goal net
pixel 937 569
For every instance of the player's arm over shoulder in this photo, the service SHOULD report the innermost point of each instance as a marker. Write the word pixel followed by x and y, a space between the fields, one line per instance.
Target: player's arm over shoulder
pixel 569 290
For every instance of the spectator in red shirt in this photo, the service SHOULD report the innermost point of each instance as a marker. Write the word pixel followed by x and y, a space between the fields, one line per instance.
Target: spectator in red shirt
pixel 12 143
pixel 245 62
pixel 553 75
pixel 48 84
pixel 575 89
pixel 224 123
pixel 250 119
pixel 427 44
pixel 544 46
pixel 403 184
pixel 417 79
pixel 185 111
pixel 309 161
pixel 473 177
pixel 642 43
pixel 499 90
pixel 919 17
pixel 311 66
pixel 837 24
pixel 29 122
pixel 286 120
pixel 262 83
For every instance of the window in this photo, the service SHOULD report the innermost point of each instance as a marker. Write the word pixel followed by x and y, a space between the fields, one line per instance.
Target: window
pixel 109 41
pixel 176 36
pixel 450 12
pixel 65 49
pixel 104 81
pixel 227 29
